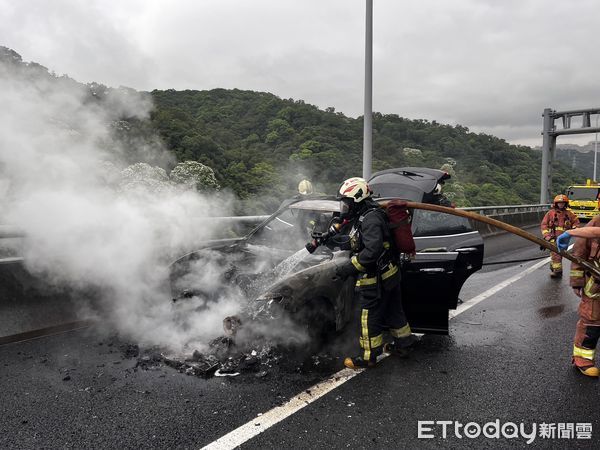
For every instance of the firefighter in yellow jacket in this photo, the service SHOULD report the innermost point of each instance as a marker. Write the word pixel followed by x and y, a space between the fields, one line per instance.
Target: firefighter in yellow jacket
pixel 585 286
pixel 556 221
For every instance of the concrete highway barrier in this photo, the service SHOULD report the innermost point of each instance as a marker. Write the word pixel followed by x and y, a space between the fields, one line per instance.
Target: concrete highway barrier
pixel 522 219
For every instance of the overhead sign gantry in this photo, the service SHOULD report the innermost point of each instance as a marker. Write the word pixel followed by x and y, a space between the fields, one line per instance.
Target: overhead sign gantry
pixel 550 132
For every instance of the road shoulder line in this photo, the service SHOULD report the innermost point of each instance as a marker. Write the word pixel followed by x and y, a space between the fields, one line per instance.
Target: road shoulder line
pixel 479 298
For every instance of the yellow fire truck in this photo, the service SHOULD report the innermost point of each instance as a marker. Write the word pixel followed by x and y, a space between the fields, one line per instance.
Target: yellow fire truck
pixel 583 199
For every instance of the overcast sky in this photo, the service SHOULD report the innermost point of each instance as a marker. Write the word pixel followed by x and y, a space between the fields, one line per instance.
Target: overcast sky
pixel 490 65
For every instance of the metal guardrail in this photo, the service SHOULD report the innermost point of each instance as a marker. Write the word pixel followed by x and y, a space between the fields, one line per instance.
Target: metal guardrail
pixel 483 210
pixel 507 209
pixel 9 231
pixel 11 260
pixel 241 220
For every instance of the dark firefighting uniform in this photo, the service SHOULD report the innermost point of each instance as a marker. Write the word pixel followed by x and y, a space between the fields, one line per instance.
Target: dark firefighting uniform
pixel 554 223
pixel 378 284
pixel 587 331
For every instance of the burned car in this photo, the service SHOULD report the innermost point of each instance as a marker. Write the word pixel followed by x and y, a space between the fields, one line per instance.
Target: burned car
pixel 273 270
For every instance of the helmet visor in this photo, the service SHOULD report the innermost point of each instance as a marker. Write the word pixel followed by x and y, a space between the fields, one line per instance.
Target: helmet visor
pixel 345 206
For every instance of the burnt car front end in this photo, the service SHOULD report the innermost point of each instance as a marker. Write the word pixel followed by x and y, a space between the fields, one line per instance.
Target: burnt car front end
pixel 266 269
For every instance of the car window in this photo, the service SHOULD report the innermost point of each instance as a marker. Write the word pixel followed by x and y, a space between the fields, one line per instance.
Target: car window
pixel 433 223
pixel 582 193
pixel 291 229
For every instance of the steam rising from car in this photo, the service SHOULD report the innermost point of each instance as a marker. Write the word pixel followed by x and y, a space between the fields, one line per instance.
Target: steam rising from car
pixel 211 275
pixel 59 170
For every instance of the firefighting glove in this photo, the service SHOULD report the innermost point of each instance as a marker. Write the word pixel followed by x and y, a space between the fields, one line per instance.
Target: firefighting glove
pixel 562 242
pixel 345 270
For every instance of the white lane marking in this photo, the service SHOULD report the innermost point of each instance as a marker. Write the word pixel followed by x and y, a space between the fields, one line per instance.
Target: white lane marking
pixel 264 421
pixel 472 302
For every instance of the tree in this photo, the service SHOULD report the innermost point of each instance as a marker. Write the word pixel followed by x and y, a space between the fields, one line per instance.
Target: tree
pixel 194 175
pixel 142 177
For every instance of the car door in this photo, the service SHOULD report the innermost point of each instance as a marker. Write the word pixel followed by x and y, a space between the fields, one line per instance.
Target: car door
pixel 448 252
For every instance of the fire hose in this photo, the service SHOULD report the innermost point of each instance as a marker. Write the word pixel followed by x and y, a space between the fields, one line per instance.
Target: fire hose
pixel 506 227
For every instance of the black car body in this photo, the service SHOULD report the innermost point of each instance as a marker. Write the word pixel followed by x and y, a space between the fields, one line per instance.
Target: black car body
pixel 272 269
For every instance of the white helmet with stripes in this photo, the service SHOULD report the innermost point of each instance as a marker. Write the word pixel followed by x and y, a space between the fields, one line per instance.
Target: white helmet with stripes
pixel 355 188
pixel 305 187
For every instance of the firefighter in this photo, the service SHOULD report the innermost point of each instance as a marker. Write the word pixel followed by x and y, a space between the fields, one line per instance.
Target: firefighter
pixel 374 262
pixel 587 288
pixel 554 223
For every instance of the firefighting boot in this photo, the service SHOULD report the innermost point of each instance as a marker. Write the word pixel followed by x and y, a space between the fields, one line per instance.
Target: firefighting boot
pixel 401 346
pixel 590 371
pixel 557 274
pixel 358 362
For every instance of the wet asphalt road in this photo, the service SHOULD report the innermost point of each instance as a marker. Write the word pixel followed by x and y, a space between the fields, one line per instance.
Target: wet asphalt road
pixel 507 358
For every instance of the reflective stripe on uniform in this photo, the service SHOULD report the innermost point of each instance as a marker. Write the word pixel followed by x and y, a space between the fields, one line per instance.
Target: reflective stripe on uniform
pixel 587 290
pixel 577 273
pixel 556 265
pixel 366 281
pixel 392 271
pixel 374 342
pixel 559 228
pixel 583 352
pixel 401 332
pixel 364 338
pixel 356 264
pixel 545 232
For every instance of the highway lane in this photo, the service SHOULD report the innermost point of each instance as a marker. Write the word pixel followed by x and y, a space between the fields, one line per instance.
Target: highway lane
pixel 507 358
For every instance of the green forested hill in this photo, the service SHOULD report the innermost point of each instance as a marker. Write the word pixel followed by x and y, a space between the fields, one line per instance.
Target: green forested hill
pixel 579 158
pixel 260 146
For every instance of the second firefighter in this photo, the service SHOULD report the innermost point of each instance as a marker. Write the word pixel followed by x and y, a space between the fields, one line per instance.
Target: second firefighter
pixel 556 221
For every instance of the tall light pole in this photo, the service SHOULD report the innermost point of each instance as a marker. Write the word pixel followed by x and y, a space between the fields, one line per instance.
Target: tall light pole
pixel 596 148
pixel 368 114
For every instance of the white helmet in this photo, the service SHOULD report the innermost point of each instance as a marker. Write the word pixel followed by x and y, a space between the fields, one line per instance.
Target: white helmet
pixel 355 188
pixel 305 187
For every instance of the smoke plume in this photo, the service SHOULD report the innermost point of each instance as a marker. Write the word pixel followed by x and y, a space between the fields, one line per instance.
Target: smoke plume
pixel 61 181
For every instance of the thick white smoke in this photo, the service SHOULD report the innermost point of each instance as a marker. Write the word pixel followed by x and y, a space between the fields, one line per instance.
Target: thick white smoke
pixel 58 161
